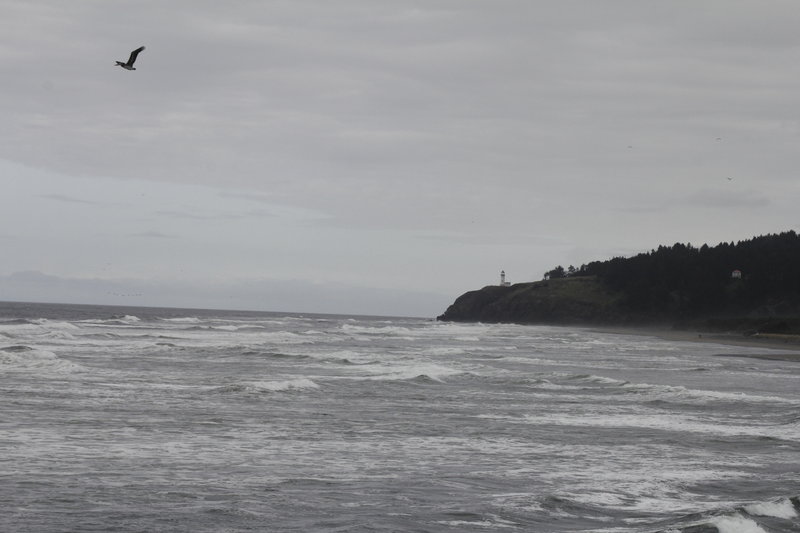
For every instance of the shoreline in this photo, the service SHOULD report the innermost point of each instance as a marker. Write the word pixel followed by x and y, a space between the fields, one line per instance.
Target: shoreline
pixel 771 343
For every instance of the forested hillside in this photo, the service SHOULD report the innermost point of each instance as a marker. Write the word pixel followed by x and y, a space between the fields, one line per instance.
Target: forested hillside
pixel 698 281
pixel 729 284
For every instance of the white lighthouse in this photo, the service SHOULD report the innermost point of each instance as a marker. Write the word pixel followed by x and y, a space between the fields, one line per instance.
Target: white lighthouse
pixel 503 282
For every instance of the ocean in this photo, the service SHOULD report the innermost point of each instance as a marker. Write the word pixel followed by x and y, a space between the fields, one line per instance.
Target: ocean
pixel 178 420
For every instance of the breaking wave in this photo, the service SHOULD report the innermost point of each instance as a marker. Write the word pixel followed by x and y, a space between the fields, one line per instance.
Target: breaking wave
pixel 26 358
pixel 268 386
pixel 782 508
pixel 384 330
pixel 757 517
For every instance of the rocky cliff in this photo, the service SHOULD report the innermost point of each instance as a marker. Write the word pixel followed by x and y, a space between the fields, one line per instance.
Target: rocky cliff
pixel 587 301
pixel 558 301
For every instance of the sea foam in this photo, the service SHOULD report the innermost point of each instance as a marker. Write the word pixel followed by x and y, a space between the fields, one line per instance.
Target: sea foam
pixel 269 386
pixel 183 320
pixel 782 508
pixel 736 524
pixel 672 392
pixel 27 358
pixel 277 386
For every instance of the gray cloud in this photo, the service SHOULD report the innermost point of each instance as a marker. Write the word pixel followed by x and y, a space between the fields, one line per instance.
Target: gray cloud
pixel 70 199
pixel 200 216
pixel 341 140
pixel 206 215
pixel 727 199
pixel 152 234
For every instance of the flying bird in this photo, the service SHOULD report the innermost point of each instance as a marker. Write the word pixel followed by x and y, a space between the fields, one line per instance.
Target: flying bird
pixel 131 60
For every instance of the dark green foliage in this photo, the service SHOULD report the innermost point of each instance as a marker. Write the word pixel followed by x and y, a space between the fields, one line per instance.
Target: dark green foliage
pixel 560 300
pixel 679 285
pixel 556 273
pixel 684 281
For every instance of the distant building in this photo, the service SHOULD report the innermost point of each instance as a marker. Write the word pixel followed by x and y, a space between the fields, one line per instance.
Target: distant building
pixel 736 274
pixel 503 282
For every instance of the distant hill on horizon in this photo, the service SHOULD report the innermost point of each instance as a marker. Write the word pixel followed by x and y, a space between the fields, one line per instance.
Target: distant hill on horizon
pixel 730 283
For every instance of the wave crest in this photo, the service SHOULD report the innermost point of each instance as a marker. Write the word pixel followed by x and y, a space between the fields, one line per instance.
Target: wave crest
pixel 782 508
pixel 21 357
pixel 269 386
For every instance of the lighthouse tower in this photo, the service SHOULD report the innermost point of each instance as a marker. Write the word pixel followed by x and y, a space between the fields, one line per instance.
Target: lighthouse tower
pixel 503 282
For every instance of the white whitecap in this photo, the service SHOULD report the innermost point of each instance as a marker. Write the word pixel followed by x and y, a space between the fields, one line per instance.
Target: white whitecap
pixel 669 392
pixel 54 324
pixel 443 350
pixel 277 386
pixel 384 330
pixel 490 522
pixel 663 422
pixel 736 524
pixel 603 380
pixel 27 358
pixel 412 371
pixel 782 508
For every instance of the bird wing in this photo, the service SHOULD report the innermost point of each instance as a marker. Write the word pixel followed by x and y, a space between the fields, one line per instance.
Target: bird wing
pixel 134 54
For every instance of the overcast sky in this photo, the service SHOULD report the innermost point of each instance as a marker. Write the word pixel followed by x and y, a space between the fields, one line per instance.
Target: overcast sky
pixel 381 157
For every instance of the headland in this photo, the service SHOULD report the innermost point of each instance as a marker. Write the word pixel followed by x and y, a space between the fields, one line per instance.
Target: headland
pixel 746 294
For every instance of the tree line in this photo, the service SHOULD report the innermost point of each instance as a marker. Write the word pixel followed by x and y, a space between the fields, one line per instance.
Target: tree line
pixel 682 280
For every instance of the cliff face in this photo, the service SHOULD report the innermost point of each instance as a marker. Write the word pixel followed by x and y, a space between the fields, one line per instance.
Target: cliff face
pixel 748 284
pixel 587 301
pixel 557 301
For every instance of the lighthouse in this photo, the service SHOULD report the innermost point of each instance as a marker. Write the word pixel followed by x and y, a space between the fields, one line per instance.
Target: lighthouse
pixel 503 282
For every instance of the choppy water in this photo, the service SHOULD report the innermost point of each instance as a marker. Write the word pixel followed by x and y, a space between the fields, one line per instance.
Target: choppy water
pixel 178 420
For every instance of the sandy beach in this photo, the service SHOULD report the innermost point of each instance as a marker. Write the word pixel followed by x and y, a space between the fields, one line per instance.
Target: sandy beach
pixel 774 345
